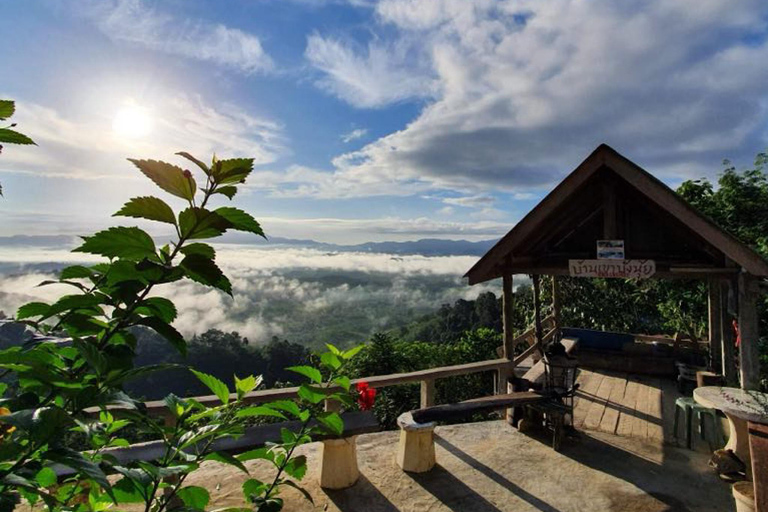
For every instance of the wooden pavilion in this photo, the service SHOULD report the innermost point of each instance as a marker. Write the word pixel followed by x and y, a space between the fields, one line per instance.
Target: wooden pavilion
pixel 609 198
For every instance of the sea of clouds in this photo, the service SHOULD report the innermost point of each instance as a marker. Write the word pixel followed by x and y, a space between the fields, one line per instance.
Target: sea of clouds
pixel 305 295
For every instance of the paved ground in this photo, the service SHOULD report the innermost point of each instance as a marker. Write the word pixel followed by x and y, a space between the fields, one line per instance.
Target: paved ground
pixel 489 466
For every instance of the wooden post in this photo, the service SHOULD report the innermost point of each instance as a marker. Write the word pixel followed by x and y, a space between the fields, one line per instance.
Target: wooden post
pixel 537 310
pixel 715 329
pixel 338 467
pixel 726 335
pixel 332 405
pixel 508 302
pixel 749 353
pixel 556 301
pixel 427 393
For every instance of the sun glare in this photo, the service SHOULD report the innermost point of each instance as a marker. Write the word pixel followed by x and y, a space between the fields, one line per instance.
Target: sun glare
pixel 132 121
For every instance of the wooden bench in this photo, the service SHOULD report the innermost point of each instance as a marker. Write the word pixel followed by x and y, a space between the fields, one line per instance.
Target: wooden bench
pixel 338 456
pixel 416 447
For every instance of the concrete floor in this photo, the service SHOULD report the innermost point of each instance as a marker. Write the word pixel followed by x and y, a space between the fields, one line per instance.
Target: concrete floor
pixel 489 467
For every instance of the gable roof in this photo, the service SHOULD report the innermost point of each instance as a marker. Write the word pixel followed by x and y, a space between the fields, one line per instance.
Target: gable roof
pixel 605 165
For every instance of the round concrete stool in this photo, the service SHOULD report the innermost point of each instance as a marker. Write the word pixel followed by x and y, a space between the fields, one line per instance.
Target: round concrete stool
pixel 744 494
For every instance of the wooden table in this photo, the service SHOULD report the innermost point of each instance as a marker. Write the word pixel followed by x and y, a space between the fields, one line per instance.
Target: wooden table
pixel 747 413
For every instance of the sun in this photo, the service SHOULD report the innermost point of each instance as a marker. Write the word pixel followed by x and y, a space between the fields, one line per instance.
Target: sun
pixel 132 121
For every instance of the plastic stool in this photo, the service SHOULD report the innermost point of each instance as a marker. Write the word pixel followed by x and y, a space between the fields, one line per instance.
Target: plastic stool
pixel 689 406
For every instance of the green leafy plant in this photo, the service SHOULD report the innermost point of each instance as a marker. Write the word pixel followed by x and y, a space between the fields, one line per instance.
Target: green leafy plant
pixel 71 384
pixel 7 135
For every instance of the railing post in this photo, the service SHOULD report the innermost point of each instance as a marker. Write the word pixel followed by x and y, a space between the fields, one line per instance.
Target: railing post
pixel 508 312
pixel 427 393
pixel 332 405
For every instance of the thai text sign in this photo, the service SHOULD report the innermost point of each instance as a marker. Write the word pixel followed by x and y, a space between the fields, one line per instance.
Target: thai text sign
pixel 625 269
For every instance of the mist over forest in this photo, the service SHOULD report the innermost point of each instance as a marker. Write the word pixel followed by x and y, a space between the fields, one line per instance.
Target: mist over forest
pixel 306 295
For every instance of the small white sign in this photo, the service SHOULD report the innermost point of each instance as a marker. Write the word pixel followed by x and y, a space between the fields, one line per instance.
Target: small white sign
pixel 610 249
pixel 624 269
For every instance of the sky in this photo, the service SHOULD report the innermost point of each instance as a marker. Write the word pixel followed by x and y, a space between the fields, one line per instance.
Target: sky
pixel 371 120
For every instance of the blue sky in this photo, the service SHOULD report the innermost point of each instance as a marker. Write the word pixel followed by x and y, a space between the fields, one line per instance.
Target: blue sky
pixel 372 120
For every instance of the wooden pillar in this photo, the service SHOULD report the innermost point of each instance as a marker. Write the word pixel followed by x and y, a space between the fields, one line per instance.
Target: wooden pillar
pixel 715 329
pixel 556 301
pixel 427 393
pixel 728 351
pixel 537 310
pixel 508 302
pixel 749 353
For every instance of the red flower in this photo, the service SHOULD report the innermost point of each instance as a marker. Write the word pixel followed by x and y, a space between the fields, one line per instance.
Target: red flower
pixel 366 395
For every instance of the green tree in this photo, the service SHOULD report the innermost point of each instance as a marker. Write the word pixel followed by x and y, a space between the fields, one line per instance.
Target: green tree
pixel 7 135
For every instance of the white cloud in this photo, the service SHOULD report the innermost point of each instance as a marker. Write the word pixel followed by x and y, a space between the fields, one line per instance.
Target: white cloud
pixel 470 201
pixel 355 134
pixel 523 90
pixel 135 23
pixel 374 77
pixel 292 278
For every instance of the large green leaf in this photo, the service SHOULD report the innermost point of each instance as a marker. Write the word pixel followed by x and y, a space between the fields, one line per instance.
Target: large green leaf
pixel 331 421
pixel 205 271
pixel 14 137
pixel 240 220
pixel 235 170
pixel 79 463
pixel 194 160
pixel 196 223
pixel 73 303
pixel 259 410
pixel 76 272
pixel 228 191
pixel 31 309
pixel 215 385
pixel 7 108
pixel 167 331
pixel 130 243
pixel 160 307
pixel 199 248
pixel 312 374
pixel 297 467
pixel 226 458
pixel 171 178
pixel 194 497
pixel 148 207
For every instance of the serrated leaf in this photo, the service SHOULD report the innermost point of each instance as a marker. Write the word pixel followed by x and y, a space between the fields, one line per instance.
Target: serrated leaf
pixel 166 331
pixel 194 160
pixel 343 381
pixel 194 497
pixel 287 406
pixel 46 477
pixel 297 467
pixel 312 374
pixel 203 270
pixel 330 360
pixel 7 108
pixel 332 421
pixel 75 460
pixel 197 223
pixel 349 354
pixel 228 191
pixel 240 220
pixel 259 410
pixel 148 207
pixel 253 487
pixel 311 394
pixel 216 386
pixel 31 309
pixel 160 307
pixel 199 248
pixel 246 385
pixel 233 170
pixel 73 303
pixel 130 243
pixel 171 178
pixel 14 137
pixel 258 453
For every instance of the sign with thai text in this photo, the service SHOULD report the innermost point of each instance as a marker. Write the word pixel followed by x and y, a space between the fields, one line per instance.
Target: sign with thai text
pixel 624 269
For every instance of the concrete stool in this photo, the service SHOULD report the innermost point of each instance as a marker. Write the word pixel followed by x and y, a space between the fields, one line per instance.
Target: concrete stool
pixel 416 449
pixel 688 405
pixel 339 463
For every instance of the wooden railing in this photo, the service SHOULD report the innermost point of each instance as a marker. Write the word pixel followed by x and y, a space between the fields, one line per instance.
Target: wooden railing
pixel 427 378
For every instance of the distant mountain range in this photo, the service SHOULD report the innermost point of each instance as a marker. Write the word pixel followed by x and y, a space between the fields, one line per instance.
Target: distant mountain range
pixel 425 246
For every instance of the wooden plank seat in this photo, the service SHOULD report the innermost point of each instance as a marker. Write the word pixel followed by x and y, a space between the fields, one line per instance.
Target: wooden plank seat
pixel 416 448
pixel 338 456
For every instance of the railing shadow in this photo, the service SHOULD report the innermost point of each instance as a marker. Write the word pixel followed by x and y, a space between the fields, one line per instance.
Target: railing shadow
pixel 361 496
pixel 452 492
pixel 475 464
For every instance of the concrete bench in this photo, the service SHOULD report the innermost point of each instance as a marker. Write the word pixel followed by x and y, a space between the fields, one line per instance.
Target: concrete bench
pixel 338 456
pixel 416 448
